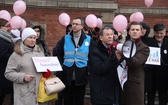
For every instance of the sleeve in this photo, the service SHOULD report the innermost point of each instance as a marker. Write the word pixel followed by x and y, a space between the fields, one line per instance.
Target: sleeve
pixel 100 65
pixel 139 58
pixel 12 70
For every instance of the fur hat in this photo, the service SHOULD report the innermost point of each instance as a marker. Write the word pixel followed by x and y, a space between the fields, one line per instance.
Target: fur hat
pixel 28 32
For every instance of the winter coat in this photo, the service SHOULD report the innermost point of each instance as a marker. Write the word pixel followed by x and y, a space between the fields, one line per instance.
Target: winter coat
pixel 134 86
pixel 19 64
pixel 157 75
pixel 41 40
pixel 81 74
pixel 6 49
pixel 104 84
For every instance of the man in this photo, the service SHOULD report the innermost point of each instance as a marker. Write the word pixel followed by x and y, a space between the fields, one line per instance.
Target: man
pixel 159 74
pixel 6 49
pixel 133 91
pixel 104 82
pixel 73 55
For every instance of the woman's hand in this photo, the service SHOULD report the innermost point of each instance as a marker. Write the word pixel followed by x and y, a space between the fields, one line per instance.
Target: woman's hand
pixel 28 77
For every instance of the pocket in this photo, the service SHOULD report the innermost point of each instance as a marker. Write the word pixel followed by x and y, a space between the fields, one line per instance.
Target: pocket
pixel 24 91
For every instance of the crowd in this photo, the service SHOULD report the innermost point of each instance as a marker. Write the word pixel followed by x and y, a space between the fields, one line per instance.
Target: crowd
pixel 86 54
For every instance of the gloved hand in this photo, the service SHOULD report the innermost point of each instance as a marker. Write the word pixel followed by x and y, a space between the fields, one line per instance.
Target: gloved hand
pixel 114 44
pixel 47 74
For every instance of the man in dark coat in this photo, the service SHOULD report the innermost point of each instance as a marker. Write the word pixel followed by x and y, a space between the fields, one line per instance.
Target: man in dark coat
pixel 158 75
pixel 133 91
pixel 104 84
pixel 6 49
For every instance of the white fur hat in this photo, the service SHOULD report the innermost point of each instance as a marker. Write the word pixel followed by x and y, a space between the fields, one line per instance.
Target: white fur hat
pixel 28 32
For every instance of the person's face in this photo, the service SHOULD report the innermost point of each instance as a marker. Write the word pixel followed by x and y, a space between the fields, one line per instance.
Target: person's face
pixel 37 30
pixel 6 27
pixel 159 35
pixel 107 37
pixel 76 25
pixel 30 41
pixel 135 32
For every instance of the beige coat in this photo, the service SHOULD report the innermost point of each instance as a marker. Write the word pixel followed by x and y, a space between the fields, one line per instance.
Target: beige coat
pixel 19 64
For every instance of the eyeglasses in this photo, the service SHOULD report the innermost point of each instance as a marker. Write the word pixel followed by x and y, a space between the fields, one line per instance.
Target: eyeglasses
pixel 75 24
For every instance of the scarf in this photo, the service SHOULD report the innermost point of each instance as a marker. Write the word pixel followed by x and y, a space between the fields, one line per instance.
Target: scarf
pixel 5 35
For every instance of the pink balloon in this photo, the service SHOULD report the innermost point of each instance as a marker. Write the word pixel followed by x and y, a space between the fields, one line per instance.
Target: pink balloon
pixel 138 17
pixel 91 21
pixel 131 17
pixel 64 19
pixel 99 23
pixel 23 24
pixel 5 15
pixel 19 7
pixel 148 3
pixel 120 23
pixel 16 22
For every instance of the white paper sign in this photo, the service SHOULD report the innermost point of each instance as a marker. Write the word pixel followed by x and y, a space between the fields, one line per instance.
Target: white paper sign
pixel 44 63
pixel 122 73
pixel 154 56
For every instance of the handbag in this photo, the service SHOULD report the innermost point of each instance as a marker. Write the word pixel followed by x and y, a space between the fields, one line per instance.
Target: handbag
pixel 42 95
pixel 53 85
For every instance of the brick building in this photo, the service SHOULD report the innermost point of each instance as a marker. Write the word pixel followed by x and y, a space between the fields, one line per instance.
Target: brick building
pixel 47 12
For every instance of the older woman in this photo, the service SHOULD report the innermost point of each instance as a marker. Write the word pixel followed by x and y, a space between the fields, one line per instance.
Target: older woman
pixel 21 70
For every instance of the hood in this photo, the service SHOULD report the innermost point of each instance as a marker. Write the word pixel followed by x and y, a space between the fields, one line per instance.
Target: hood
pixel 42 31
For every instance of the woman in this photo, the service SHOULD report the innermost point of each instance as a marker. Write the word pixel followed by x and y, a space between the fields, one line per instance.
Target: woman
pixel 21 70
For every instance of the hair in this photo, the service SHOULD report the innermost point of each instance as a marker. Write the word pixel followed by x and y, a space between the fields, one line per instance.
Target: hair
pixel 107 27
pixel 68 27
pixel 134 23
pixel 145 26
pixel 82 20
pixel 3 22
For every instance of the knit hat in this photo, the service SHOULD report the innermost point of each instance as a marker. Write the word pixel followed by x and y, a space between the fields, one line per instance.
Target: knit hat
pixel 16 34
pixel 28 32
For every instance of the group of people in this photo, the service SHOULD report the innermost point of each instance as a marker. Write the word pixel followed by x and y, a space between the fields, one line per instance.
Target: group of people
pixel 85 54
pixel 18 74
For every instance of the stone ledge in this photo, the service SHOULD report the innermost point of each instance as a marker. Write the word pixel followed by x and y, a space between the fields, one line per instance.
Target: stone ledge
pixel 154 11
pixel 70 4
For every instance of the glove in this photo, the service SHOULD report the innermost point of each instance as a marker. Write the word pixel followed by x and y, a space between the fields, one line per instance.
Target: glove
pixel 114 44
pixel 47 74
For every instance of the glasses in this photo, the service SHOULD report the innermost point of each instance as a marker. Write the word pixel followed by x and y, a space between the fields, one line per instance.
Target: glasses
pixel 75 24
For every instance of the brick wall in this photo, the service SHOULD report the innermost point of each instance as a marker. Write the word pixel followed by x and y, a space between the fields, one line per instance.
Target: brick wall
pixel 49 17
pixel 54 30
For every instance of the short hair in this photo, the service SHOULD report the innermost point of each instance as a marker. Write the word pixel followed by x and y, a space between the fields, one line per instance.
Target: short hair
pixel 82 20
pixel 158 27
pixel 3 22
pixel 134 23
pixel 106 27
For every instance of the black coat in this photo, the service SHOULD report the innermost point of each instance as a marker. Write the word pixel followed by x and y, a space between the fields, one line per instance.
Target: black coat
pixel 156 76
pixel 103 75
pixel 6 49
